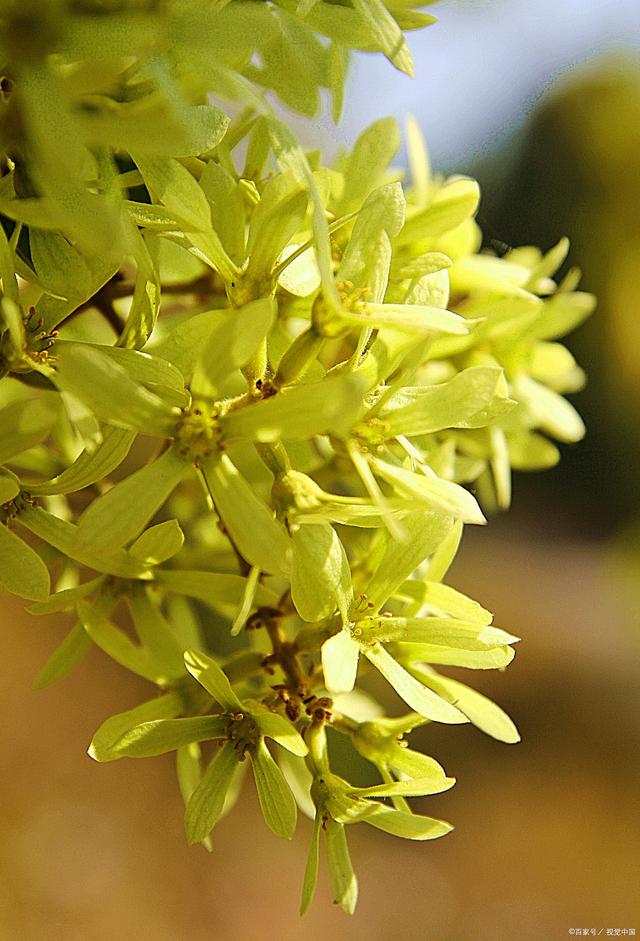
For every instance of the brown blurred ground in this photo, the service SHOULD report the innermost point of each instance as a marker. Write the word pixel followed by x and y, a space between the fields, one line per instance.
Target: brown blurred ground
pixel 546 831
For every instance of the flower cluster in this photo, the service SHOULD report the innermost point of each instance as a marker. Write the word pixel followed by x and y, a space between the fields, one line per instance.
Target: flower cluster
pixel 249 402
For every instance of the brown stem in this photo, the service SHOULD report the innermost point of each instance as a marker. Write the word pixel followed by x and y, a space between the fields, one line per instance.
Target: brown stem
pixel 201 286
pixel 104 304
pixel 116 288
pixel 296 692
pixel 286 655
pixel 102 300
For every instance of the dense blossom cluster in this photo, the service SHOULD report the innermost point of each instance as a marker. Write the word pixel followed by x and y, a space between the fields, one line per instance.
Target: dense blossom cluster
pixel 249 401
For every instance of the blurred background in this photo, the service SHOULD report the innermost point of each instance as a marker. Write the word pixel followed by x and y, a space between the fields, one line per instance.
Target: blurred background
pixel 541 102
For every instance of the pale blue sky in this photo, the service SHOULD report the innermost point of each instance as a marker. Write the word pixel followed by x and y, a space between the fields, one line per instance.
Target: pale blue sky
pixel 481 69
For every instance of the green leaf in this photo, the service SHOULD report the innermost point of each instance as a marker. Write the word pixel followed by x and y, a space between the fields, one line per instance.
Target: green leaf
pixel 188 770
pixel 419 162
pixel 419 266
pixel 64 537
pixel 155 633
pixel 299 276
pixel 163 735
pixel 11 318
pixel 332 794
pixel 225 199
pixel 145 303
pixel 200 128
pixel 272 725
pixel 57 164
pixel 483 713
pixel 172 185
pixel 561 314
pixel 218 590
pixel 553 365
pixel 366 475
pixel 182 345
pixel 437 494
pixel 452 204
pixel 493 658
pixel 408 826
pixel 338 69
pixel 343 878
pixel 276 800
pixel 340 662
pixel 90 466
pixel 29 211
pixel 118 516
pixel 333 404
pixel 225 82
pixel 410 318
pixel 405 761
pixel 112 729
pixel 500 467
pixel 189 774
pixel 117 645
pixel 9 487
pixel 106 388
pixel 77 642
pixel 156 374
pixel 296 51
pixel 277 218
pixel 227 28
pixel 530 451
pixel 342 24
pixel 445 553
pixel 423 700
pixel 69 276
pixel 66 599
pixel 320 577
pixel 311 870
pixel 65 657
pixel 484 273
pixel 367 258
pixel 25 423
pixel 9 283
pixel 207 801
pixel 425 532
pixel 388 352
pixel 82 419
pixel 158 543
pixel 207 672
pixel 299 779
pixel 372 153
pixel 432 290
pixel 233 338
pixel 365 515
pixel 291 157
pixel 549 410
pixel 417 787
pixel 447 632
pixel 549 263
pixel 473 398
pixel 150 216
pixel 248 598
pixel 385 33
pixel 250 523
pixel 410 19
pixel 22 571
pixel 445 600
pixel 258 150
